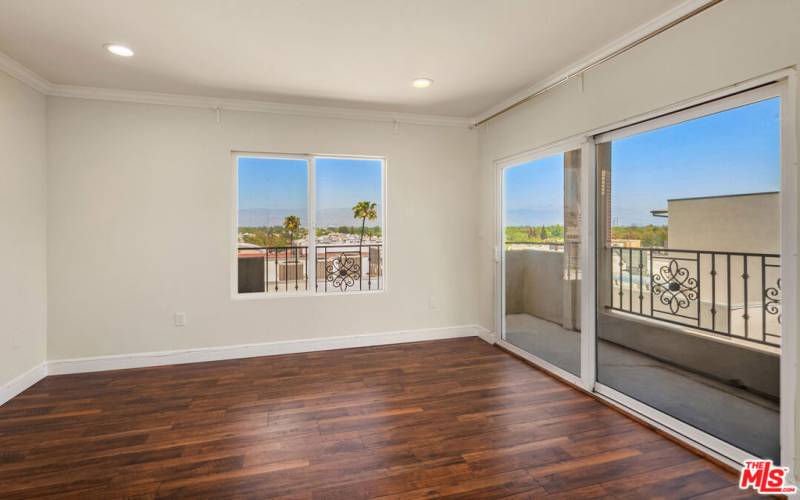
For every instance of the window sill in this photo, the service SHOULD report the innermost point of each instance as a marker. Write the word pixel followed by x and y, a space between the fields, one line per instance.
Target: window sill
pixel 236 297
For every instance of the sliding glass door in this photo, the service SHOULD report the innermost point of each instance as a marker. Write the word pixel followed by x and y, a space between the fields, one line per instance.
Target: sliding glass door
pixel 651 266
pixel 541 247
pixel 688 280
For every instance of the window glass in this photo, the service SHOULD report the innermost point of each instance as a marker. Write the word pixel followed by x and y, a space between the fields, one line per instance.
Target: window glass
pixel 689 291
pixel 541 258
pixel 281 249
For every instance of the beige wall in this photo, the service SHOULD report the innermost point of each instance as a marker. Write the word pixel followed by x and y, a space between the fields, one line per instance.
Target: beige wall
pixel 23 294
pixel 140 211
pixel 726 223
pixel 732 42
pixel 534 282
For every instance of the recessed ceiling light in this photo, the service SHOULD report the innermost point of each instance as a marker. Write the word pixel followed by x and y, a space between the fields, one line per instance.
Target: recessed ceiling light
pixel 118 50
pixel 422 83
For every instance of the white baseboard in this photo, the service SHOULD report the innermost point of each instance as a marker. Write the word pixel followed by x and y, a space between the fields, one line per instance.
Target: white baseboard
pixel 140 360
pixel 22 382
pixel 486 335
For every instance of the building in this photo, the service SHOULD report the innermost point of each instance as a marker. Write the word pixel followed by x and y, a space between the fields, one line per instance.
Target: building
pixel 747 222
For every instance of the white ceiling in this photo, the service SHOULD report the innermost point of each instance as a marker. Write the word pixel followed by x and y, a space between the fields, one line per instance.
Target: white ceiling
pixel 347 53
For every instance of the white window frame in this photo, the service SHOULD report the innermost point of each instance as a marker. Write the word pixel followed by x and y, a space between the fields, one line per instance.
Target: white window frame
pixel 311 207
pixel 781 83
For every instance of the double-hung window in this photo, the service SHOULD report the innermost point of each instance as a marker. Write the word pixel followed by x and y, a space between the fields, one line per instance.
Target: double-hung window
pixel 309 224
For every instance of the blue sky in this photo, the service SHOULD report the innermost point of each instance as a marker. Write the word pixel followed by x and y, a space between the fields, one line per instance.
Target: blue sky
pixel 271 188
pixel 732 152
pixel 272 183
pixel 341 183
pixel 534 192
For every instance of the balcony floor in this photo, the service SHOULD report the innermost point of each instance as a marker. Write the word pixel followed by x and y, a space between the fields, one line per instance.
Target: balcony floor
pixel 725 411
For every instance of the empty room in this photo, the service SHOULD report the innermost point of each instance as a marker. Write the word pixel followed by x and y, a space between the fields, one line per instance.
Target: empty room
pixel 351 249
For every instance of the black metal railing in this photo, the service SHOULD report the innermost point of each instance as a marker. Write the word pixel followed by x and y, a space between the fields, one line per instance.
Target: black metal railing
pixel 273 269
pixel 733 294
pixel 342 268
pixel 337 268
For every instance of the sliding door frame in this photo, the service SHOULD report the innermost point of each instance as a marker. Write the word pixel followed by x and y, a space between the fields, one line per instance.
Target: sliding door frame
pixel 724 102
pixel 782 83
pixel 587 160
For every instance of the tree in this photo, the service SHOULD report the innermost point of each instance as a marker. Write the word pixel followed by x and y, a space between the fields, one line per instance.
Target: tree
pixel 364 210
pixel 291 223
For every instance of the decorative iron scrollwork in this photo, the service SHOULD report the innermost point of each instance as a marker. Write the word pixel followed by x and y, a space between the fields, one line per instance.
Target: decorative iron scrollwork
pixel 672 280
pixel 675 286
pixel 343 272
pixel 772 300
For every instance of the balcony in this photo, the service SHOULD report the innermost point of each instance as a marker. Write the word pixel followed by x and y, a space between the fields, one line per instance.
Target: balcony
pixel 338 268
pixel 703 326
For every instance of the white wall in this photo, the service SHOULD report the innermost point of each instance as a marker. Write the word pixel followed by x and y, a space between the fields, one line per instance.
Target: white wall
pixel 23 293
pixel 732 42
pixel 140 212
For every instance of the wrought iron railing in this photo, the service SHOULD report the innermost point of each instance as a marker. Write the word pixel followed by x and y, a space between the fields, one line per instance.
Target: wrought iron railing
pixel 733 294
pixel 342 268
pixel 273 269
pixel 337 268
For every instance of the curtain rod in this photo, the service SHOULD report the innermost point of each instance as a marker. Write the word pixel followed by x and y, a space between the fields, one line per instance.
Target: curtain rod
pixel 603 59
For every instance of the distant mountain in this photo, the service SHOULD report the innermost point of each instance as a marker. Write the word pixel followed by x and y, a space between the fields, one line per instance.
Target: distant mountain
pixel 275 216
pixel 268 217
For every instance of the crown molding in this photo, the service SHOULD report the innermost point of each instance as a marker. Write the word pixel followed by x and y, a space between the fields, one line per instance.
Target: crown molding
pixel 633 35
pixel 135 96
pixel 41 85
pixel 23 74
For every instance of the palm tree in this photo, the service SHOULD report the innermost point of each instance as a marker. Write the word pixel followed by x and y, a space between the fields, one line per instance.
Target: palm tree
pixel 364 210
pixel 291 223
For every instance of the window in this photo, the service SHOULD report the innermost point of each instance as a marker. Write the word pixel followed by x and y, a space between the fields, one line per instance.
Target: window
pixel 309 225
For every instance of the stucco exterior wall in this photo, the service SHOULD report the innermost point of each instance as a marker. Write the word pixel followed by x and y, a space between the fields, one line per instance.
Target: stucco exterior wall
pixel 744 223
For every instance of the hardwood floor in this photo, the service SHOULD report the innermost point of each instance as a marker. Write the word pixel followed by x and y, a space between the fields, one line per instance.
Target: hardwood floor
pixel 455 418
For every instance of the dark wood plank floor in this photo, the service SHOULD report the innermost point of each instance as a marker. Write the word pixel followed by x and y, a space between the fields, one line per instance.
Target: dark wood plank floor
pixel 455 418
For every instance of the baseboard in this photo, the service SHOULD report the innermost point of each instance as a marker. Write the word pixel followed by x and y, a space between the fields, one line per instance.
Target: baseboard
pixel 140 360
pixel 486 335
pixel 22 382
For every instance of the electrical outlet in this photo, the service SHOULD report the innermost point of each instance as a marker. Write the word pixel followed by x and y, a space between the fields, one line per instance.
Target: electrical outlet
pixel 432 303
pixel 180 319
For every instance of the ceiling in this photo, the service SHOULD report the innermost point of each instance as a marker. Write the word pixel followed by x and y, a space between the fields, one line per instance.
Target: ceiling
pixel 347 53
